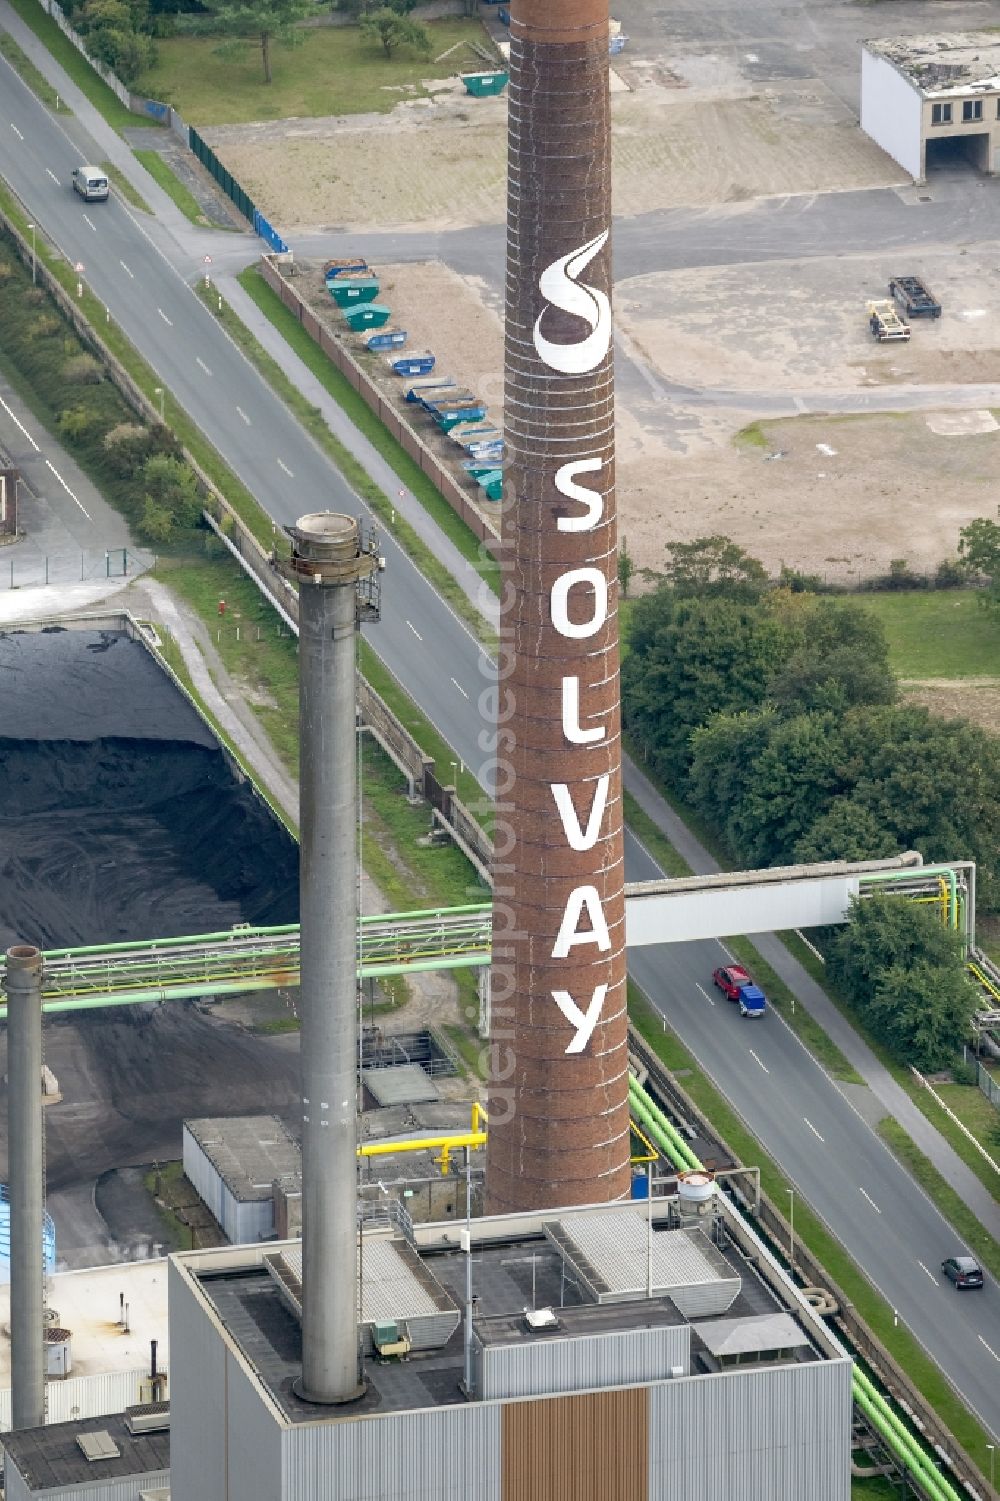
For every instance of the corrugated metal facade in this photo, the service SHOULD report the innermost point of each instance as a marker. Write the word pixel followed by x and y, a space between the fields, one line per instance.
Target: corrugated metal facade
pixel 197 1397
pixel 778 1434
pixel 628 1358
pixel 253 1443
pixel 244 1223
pixel 586 1448
pixel 84 1396
pixel 451 1454
pixel 123 1489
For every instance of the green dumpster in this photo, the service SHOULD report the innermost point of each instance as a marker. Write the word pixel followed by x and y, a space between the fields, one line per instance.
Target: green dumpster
pixel 367 315
pixel 346 290
pixel 485 85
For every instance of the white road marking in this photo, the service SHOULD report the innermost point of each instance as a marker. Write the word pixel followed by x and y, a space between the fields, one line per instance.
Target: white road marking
pixel 16 131
pixel 872 1203
pixel 705 993
pixel 814 1131
pixel 21 425
pixel 55 179
pixel 929 1273
pixel 66 487
pixel 764 1066
pixel 990 1348
pixel 166 320
pixel 126 270
pixel 91 222
pixel 243 414
pixel 414 630
pixel 460 688
pixel 728 955
pixel 284 466
pixel 199 361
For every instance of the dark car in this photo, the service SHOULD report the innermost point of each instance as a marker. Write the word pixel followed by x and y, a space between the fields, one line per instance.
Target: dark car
pixel 730 979
pixel 963 1271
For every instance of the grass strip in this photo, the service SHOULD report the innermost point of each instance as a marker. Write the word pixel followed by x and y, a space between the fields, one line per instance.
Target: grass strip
pixel 125 188
pixel 162 173
pixel 951 1204
pixel 365 420
pixel 76 66
pixel 353 471
pixel 240 498
pixel 652 836
pixel 26 70
pixel 813 1232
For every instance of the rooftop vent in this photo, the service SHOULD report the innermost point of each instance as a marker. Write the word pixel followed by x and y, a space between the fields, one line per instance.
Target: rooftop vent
pixel 540 1318
pixel 149 1417
pixel 99 1445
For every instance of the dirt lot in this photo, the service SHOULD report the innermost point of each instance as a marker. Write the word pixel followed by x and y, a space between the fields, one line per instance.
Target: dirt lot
pixel 977 699
pixel 894 486
pixel 441 162
pixel 801 325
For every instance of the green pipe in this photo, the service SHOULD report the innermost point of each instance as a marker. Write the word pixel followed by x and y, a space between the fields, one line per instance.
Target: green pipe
pixel 917 873
pixel 906 1451
pixel 659 1124
pixel 868 1387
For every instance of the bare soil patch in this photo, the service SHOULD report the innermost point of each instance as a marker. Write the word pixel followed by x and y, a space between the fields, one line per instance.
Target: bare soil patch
pixel 975 699
pixel 441 162
pixel 891 489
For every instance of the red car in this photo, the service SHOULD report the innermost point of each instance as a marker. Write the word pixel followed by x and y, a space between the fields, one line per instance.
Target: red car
pixel 730 979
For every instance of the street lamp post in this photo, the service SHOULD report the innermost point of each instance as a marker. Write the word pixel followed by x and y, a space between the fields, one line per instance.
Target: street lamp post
pixel 993 1450
pixel 791 1228
pixel 33 263
pixel 158 393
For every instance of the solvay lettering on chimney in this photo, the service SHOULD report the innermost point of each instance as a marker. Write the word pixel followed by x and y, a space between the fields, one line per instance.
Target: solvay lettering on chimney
pixel 560 959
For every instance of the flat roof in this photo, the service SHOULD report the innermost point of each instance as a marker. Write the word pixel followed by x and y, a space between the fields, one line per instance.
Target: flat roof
pixel 944 63
pixel 50 1457
pixel 248 1152
pixel 400 1084
pixel 766 1331
pixel 88 1304
pixel 510 1274
pixel 618 1256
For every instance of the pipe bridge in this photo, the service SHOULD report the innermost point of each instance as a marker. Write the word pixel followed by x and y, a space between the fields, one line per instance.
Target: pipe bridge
pixel 246 958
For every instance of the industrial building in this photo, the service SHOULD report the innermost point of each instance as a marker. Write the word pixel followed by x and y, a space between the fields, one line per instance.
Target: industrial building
pixel 561 1376
pixel 241 1167
pixel 933 101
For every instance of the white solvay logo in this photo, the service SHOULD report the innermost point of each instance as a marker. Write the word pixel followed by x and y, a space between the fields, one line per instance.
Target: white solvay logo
pixel 559 286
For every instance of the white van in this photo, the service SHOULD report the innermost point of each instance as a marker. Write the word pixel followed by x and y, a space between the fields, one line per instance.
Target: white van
pixel 90 183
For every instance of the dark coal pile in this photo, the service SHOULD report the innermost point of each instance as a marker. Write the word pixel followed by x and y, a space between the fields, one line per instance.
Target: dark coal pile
pixel 120 818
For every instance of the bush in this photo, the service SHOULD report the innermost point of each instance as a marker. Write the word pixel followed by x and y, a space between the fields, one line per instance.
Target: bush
pixel 950 574
pixel 82 370
pixel 76 423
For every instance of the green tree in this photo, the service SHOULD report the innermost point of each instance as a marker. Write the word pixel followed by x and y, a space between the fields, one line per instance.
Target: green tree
pixel 843 660
pixel 391 30
pixel 903 971
pixel 979 550
pixel 267 20
pixel 846 831
pixel 691 658
pixel 169 485
pixel 923 1012
pixel 714 565
pixel 625 567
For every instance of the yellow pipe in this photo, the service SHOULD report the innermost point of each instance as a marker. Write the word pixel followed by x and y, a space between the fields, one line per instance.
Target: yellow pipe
pixel 985 981
pixel 422 1144
pixel 652 1154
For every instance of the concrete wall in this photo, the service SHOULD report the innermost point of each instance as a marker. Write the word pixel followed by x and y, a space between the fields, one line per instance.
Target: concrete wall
pixel 197 1397
pixel 891 112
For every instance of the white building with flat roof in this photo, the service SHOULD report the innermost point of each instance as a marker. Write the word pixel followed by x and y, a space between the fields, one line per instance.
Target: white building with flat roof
pixel 933 100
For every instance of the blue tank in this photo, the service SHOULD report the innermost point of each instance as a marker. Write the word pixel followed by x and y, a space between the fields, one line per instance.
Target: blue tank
pixel 48 1238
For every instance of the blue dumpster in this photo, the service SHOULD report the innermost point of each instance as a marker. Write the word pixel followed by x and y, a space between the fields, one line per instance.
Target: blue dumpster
pixel 387 338
pixel 413 364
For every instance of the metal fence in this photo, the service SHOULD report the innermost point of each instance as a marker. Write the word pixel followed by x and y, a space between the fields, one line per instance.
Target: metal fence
pixel 31 570
pixel 989 1085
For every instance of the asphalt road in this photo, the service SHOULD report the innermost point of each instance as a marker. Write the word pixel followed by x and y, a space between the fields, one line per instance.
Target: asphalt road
pixel 883 1219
